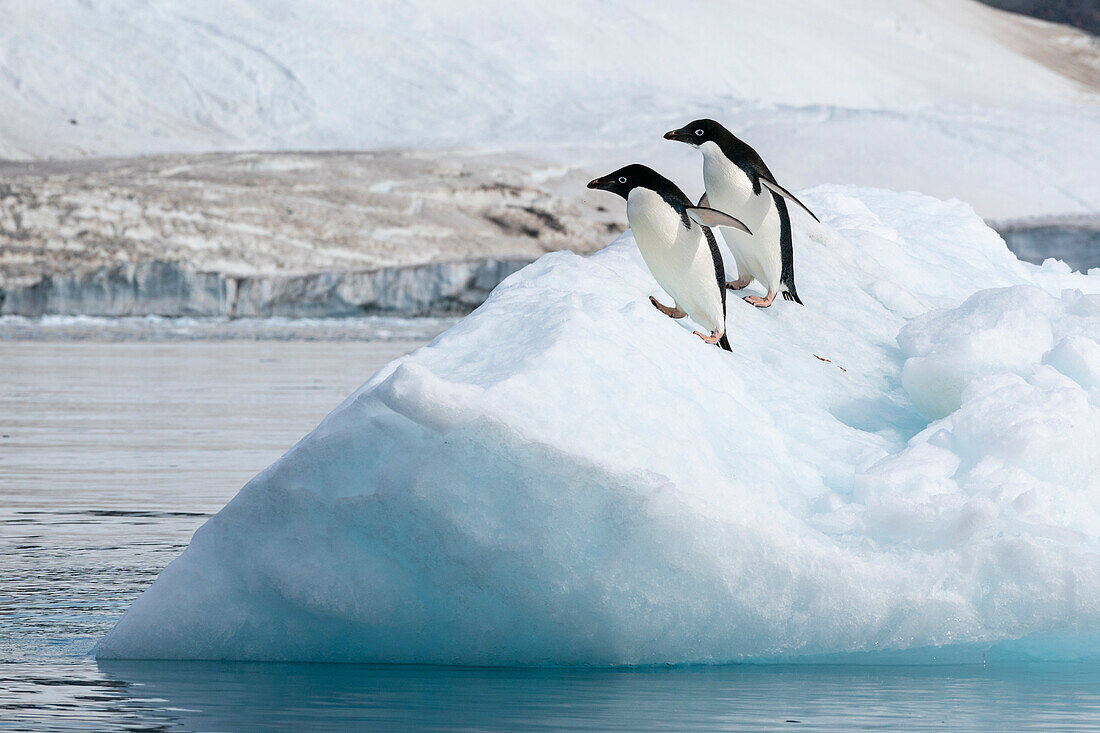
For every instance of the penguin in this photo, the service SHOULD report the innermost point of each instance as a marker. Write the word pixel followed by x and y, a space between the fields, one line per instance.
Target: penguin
pixel 677 245
pixel 737 180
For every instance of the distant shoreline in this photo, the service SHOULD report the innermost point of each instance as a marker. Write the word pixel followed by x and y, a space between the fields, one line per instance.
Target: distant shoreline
pixel 304 234
pixel 319 235
pixel 449 288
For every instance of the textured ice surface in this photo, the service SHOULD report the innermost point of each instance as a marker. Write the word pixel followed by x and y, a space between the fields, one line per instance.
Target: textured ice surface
pixel 568 476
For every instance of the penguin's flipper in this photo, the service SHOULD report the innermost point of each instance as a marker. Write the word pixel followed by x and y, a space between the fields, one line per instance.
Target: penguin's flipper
pixel 703 200
pixel 787 195
pixel 707 217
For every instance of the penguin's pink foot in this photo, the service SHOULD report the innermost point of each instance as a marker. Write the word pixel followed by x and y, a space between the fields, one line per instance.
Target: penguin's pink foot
pixel 760 302
pixel 738 284
pixel 670 312
pixel 711 339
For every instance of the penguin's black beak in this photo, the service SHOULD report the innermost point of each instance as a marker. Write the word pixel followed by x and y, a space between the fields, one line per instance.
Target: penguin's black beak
pixel 600 183
pixel 677 135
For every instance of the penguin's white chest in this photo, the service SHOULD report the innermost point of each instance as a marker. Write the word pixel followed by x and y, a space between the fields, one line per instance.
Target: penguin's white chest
pixel 678 257
pixel 729 189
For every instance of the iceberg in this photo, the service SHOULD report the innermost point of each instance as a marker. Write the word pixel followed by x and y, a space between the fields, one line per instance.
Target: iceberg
pixel 908 467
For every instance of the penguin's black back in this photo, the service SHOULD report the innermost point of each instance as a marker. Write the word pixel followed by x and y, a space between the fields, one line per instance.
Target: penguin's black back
pixel 786 250
pixel 719 267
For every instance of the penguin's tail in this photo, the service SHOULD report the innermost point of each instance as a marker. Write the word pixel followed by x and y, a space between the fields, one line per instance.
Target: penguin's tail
pixel 789 293
pixel 724 343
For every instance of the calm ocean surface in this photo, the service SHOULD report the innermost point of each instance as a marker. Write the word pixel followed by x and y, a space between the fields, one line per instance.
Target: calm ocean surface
pixel 113 453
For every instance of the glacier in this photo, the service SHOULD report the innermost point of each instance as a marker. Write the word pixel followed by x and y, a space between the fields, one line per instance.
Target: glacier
pixel 907 468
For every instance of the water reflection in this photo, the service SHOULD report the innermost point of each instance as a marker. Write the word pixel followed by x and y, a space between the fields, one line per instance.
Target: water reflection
pixel 292 697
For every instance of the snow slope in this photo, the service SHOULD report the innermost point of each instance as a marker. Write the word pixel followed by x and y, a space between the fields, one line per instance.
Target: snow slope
pixel 906 468
pixel 944 96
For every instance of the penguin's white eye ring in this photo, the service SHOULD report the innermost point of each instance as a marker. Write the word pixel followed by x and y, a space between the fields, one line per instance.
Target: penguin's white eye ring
pixel 622 179
pixel 699 133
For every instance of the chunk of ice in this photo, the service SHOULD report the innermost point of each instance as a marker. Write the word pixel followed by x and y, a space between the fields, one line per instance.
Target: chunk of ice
pixel 567 476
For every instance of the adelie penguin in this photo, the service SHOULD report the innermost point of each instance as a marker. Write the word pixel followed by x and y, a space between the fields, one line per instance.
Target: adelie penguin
pixel 739 182
pixel 677 246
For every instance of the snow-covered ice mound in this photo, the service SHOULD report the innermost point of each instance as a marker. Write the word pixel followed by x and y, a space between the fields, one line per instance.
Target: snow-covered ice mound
pixel 567 476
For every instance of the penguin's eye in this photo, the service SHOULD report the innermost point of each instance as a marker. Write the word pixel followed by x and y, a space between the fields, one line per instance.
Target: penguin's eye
pixel 622 179
pixel 699 133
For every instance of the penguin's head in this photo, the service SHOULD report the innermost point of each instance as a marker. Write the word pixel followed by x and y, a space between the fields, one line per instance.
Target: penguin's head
pixel 627 178
pixel 696 133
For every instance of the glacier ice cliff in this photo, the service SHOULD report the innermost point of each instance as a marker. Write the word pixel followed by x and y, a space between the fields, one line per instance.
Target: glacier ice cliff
pixel 911 462
pixel 160 288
